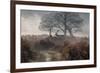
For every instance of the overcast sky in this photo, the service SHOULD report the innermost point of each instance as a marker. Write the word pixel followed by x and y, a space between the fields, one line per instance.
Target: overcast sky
pixel 30 21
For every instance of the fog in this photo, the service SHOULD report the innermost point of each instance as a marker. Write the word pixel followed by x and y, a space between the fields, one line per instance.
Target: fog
pixel 30 21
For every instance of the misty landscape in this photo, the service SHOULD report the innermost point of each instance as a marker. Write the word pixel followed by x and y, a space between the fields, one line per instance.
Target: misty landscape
pixel 54 36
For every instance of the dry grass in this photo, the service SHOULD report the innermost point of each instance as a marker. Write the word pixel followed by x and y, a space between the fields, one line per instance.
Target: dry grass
pixel 37 49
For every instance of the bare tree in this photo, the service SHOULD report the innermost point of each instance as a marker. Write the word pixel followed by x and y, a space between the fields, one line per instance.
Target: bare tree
pixel 64 21
pixel 68 21
pixel 47 23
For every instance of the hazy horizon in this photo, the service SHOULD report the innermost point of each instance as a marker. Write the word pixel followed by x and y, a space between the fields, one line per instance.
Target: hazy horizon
pixel 30 21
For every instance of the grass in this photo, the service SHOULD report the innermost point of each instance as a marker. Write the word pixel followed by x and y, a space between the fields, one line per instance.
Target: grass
pixel 44 48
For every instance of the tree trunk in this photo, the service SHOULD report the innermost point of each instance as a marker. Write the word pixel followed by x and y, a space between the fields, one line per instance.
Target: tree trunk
pixel 50 33
pixel 65 26
pixel 70 32
pixel 65 32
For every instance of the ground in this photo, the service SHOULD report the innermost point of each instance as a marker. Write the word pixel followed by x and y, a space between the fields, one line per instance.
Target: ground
pixel 58 48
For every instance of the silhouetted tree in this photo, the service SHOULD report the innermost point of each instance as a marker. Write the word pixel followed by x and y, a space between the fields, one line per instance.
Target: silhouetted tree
pixel 47 23
pixel 68 21
pixel 64 21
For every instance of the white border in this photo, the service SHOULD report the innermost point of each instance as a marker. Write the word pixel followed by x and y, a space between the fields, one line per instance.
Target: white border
pixel 59 63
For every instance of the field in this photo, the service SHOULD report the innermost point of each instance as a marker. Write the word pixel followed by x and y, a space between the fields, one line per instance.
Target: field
pixel 42 48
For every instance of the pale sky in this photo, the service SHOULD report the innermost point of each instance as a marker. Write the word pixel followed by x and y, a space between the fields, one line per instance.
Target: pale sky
pixel 30 21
